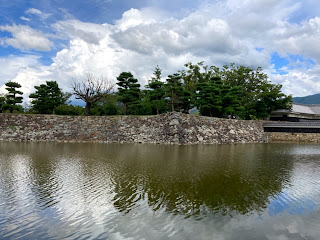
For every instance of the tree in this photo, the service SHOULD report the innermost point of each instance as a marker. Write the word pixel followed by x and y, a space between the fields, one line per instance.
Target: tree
pixel 91 90
pixel 2 102
pixel 208 97
pixel 231 101
pixel 174 91
pixel 156 94
pixel 270 99
pixel 108 105
pixel 129 91
pixel 13 98
pixel 48 97
pixel 253 89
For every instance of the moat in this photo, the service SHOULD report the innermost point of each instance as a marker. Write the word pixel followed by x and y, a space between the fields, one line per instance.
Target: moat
pixel 149 191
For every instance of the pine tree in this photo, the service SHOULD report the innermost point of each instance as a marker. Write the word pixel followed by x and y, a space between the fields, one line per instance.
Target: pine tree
pixel 208 97
pixel 174 91
pixel 156 94
pixel 129 91
pixel 231 101
pixel 13 98
pixel 47 97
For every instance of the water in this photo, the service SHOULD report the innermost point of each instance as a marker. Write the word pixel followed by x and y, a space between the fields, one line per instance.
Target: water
pixel 132 191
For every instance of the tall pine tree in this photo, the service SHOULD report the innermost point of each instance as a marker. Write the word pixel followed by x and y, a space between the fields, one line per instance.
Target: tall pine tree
pixel 156 94
pixel 174 91
pixel 208 97
pixel 129 92
pixel 12 99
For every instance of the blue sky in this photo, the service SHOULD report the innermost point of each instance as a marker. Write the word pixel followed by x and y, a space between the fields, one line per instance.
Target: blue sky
pixel 62 40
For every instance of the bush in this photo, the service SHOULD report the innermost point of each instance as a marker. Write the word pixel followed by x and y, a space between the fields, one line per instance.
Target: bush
pixel 70 110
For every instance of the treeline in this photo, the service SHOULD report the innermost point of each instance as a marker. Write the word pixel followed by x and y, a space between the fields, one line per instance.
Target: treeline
pixel 230 92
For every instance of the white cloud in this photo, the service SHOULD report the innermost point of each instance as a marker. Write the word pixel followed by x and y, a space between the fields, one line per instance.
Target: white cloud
pixel 88 32
pixel 299 82
pixel 25 38
pixel 243 32
pixel 24 18
pixel 34 11
pixel 134 17
pixel 300 39
pixel 13 66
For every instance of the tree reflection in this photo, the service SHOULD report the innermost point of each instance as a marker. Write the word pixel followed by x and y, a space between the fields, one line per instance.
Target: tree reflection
pixel 196 180
pixel 187 180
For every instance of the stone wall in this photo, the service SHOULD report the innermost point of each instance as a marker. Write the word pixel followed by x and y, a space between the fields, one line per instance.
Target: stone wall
pixel 166 128
pixel 293 137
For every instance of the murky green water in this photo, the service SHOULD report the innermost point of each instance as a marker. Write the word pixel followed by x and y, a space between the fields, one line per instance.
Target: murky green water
pixel 128 191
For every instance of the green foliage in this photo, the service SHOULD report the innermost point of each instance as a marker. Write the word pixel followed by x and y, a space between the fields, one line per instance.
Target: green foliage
pixel 270 99
pixel 187 101
pixel 108 105
pixel 174 91
pixel 69 110
pixel 47 98
pixel 232 91
pixel 110 109
pixel 258 95
pixel 12 99
pixel 145 106
pixel 242 91
pixel 208 97
pixel 129 92
pixel 231 101
pixel 2 102
pixel 156 93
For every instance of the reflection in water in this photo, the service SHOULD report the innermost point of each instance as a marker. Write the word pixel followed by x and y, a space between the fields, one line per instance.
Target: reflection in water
pixel 118 191
pixel 191 180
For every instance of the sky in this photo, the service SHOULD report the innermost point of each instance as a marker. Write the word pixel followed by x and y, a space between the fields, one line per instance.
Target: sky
pixel 63 40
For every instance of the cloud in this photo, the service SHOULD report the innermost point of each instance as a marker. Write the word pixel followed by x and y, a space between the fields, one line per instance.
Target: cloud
pixel 25 38
pixel 12 66
pixel 24 18
pixel 300 39
pixel 299 82
pixel 243 32
pixel 34 11
pixel 197 34
pixel 88 32
pixel 134 17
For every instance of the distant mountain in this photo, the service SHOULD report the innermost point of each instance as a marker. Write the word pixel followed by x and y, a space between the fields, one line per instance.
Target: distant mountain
pixel 311 99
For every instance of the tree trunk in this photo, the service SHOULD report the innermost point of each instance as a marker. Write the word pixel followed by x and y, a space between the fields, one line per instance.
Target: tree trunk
pixel 87 109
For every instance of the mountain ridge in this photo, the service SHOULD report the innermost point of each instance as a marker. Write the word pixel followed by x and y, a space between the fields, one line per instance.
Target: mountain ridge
pixel 310 99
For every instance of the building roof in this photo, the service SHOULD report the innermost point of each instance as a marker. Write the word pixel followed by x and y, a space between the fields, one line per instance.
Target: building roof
pixel 299 108
pixel 313 109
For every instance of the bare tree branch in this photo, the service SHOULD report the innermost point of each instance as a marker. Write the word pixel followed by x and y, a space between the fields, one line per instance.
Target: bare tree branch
pixel 91 89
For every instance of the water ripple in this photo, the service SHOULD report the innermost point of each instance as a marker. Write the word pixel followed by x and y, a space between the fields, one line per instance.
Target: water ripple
pixel 158 192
